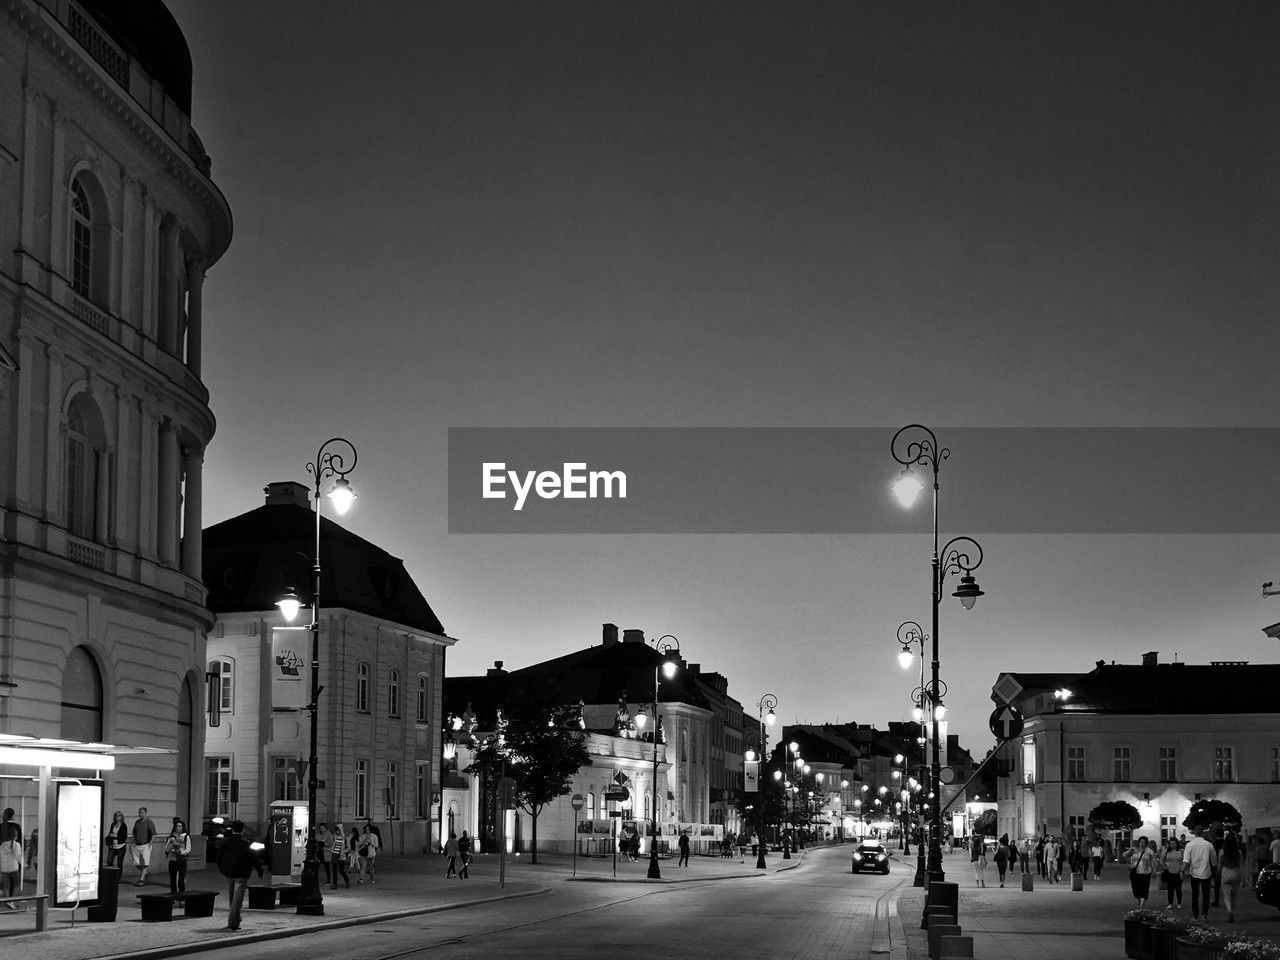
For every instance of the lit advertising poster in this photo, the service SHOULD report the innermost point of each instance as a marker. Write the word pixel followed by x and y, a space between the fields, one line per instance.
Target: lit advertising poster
pixel 751 776
pixel 289 667
pixel 79 843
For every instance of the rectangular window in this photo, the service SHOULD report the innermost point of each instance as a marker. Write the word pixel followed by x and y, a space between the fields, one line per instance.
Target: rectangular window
pixel 362 687
pixel 1075 764
pixel 284 780
pixel 1168 827
pixel 1275 764
pixel 1075 826
pixel 218 797
pixel 1122 766
pixel 421 713
pixel 1028 763
pixel 393 694
pixel 362 789
pixel 1224 767
pixel 393 789
pixel 422 790
pixel 1168 764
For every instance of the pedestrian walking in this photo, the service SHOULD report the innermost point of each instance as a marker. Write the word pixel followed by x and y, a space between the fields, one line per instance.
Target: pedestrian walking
pixel 236 861
pixel 1261 854
pixel 369 844
pixel 1142 862
pixel 11 863
pixel 1061 844
pixel 322 844
pixel 1024 855
pixel 683 844
pixel 117 840
pixel 338 857
pixel 1042 864
pixel 1199 860
pixel 451 854
pixel 464 854
pixel 177 847
pixel 144 831
pixel 978 857
pixel 355 862
pixel 1095 857
pixel 1002 857
pixel 1232 872
pixel 1049 860
pixel 1171 871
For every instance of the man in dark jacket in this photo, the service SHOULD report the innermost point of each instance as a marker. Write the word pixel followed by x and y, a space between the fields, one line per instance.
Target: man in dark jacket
pixel 236 861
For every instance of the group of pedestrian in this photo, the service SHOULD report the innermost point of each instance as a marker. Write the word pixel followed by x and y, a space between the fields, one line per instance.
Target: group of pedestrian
pixel 356 850
pixel 455 851
pixel 1216 870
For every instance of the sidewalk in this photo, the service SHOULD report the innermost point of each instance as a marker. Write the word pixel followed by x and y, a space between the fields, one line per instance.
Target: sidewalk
pixel 407 886
pixel 1053 921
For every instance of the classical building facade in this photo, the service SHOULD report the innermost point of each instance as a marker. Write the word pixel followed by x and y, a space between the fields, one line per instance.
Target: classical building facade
pixel 614 683
pixel 109 220
pixel 1157 735
pixel 382 658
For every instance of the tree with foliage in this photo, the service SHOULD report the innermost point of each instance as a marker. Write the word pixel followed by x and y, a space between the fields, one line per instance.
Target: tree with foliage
pixel 763 812
pixel 540 745
pixel 986 824
pixel 1210 811
pixel 1115 815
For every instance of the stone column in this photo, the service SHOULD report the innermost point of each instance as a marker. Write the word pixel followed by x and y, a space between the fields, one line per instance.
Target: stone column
pixel 102 505
pixel 171 294
pixel 167 507
pixel 147 315
pixel 28 350
pixel 195 288
pixel 147 501
pixel 55 454
pixel 191 534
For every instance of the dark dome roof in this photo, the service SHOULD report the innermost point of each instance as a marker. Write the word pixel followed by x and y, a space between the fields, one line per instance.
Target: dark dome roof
pixel 149 34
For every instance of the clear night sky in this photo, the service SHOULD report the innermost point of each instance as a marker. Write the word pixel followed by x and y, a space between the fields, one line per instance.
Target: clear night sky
pixel 750 214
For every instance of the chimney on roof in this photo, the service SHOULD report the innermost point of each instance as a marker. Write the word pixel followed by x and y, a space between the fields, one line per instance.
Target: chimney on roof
pixel 1099 664
pixel 610 631
pixel 285 493
pixel 633 636
pixel 1151 658
pixel 694 668
pixel 496 670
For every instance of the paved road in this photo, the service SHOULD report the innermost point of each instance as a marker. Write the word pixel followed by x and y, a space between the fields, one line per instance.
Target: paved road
pixel 818 911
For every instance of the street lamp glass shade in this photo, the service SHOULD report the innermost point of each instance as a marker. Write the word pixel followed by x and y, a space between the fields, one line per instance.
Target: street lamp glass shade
pixel 669 669
pixel 770 718
pixel 807 768
pixel 641 720
pixel 289 605
pixel 818 777
pixel 917 714
pixel 904 658
pixel 342 495
pixel 940 710
pixel 968 592
pixel 750 756
pixel 907 487
pixel 777 774
pixel 898 758
pixel 795 747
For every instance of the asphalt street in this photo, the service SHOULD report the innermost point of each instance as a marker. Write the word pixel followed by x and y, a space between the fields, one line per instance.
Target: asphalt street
pixel 818 911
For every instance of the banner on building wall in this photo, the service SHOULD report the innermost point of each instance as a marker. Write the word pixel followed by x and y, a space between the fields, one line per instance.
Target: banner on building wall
pixel 598 828
pixel 289 667
pixel 751 776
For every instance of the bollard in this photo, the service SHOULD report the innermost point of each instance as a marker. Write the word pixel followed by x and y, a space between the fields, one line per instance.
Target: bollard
pixel 936 932
pixel 955 947
pixel 945 893
pixel 1077 881
pixel 1028 882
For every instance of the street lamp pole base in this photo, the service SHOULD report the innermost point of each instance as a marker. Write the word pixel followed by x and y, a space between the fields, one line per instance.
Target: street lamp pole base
pixel 655 872
pixel 760 864
pixel 311 900
pixel 786 849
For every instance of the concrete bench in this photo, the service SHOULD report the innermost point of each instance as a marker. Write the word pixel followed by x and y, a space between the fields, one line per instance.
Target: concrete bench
pixel 39 901
pixel 269 896
pixel 157 907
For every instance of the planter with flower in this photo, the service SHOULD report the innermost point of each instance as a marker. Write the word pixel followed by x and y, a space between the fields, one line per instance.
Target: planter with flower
pixel 1137 932
pixel 1201 942
pixel 1167 926
pixel 1251 948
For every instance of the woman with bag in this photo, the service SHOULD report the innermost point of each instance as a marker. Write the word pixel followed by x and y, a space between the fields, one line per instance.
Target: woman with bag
pixel 177 847
pixel 1171 871
pixel 1002 857
pixel 464 851
pixel 978 856
pixel 1142 861
pixel 451 854
pixel 117 841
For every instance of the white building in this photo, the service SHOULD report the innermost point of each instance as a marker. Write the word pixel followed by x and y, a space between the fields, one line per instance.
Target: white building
pixel 109 220
pixel 1159 736
pixel 382 655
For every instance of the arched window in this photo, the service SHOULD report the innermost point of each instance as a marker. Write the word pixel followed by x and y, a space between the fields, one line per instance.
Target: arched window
pixel 225 669
pixel 82 698
pixel 81 240
pixel 591 804
pixel 423 688
pixel 393 692
pixel 362 687
pixel 84 476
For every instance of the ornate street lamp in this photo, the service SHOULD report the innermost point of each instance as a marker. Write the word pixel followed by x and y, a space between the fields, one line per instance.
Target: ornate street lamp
pixel 767 702
pixel 335 458
pixel 961 555
pixel 669 647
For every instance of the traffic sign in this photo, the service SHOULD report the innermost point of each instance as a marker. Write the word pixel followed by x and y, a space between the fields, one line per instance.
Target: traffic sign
pixel 1006 722
pixel 617 794
pixel 947 774
pixel 578 801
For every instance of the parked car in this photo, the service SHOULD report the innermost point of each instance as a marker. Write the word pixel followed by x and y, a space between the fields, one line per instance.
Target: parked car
pixel 870 855
pixel 1268 885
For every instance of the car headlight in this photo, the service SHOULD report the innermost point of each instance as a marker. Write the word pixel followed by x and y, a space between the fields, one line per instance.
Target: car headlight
pixel 857 856
pixel 882 857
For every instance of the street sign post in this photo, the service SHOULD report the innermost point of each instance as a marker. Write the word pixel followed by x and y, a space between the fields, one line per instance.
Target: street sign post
pixel 1006 722
pixel 578 802
pixel 617 794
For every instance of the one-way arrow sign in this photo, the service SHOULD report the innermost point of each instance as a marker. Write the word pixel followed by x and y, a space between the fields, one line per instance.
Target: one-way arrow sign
pixel 1006 722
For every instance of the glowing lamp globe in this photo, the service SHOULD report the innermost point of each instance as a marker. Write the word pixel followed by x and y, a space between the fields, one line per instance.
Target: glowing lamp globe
pixel 907 488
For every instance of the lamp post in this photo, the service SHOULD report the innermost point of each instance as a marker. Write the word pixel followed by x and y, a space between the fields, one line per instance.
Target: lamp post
pixel 336 462
pixel 961 555
pixel 768 701
pixel 912 634
pixel 669 647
